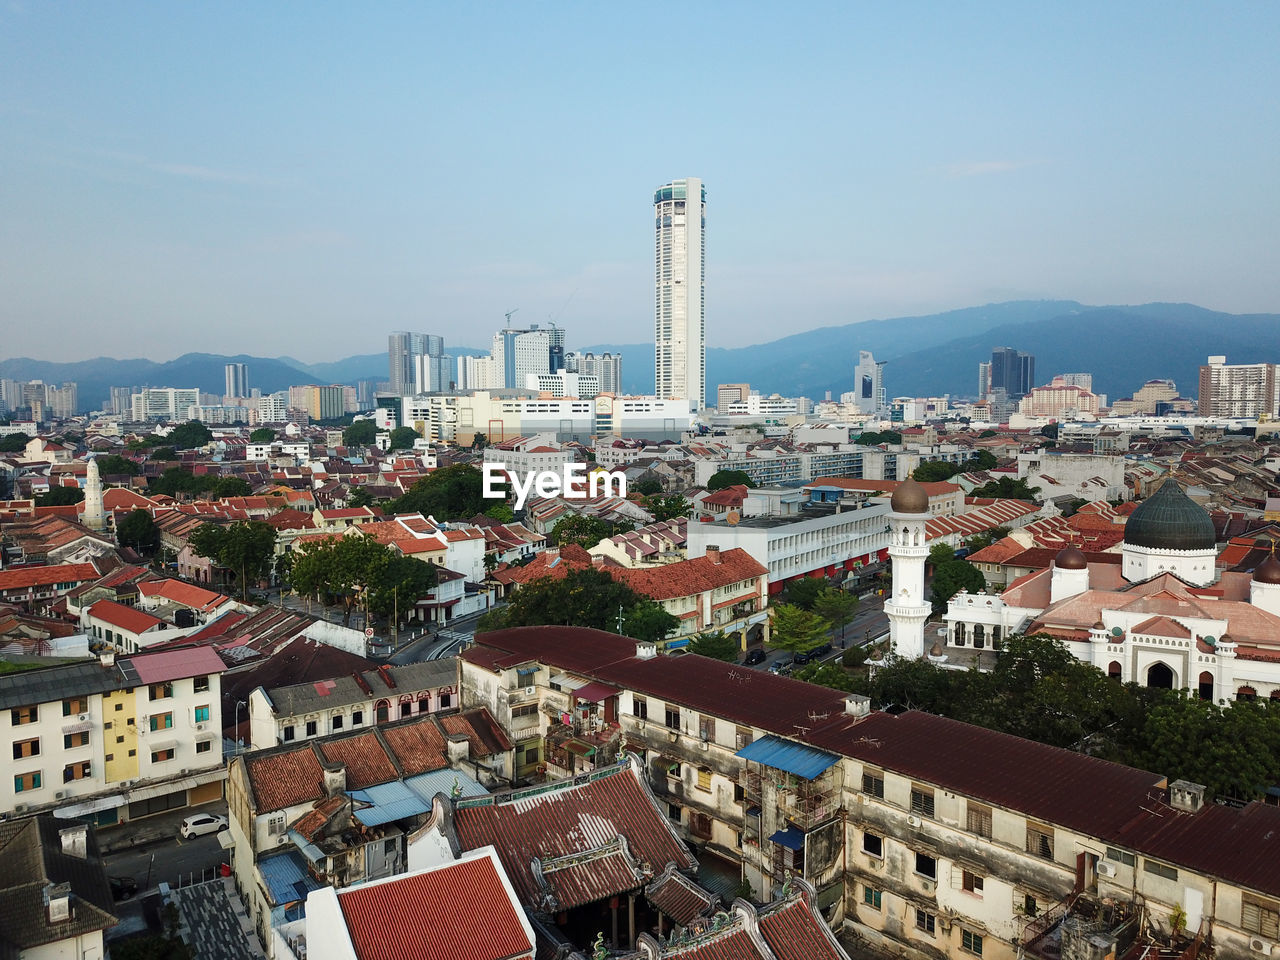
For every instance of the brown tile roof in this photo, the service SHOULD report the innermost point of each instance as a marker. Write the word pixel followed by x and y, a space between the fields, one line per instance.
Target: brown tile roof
pixel 794 932
pixel 678 897
pixel 21 578
pixel 419 747
pixel 483 734
pixel 364 757
pixel 284 779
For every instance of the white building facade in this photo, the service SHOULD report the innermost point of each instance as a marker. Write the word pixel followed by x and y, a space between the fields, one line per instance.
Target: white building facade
pixel 680 341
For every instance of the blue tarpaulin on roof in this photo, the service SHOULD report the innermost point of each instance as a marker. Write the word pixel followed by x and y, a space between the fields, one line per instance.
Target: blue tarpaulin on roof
pixel 791 838
pixel 803 761
pixel 286 878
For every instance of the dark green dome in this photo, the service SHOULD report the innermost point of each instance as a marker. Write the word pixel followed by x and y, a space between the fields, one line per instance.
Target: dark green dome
pixel 1170 520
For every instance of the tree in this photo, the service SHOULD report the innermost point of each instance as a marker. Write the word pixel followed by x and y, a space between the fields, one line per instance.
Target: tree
pixel 14 443
pixel 717 645
pixel 219 488
pixel 952 576
pixel 479 441
pixel 245 549
pixel 587 597
pixel 836 606
pixel 932 471
pixel 362 433
pixel 1007 488
pixel 940 553
pixel 175 481
pixel 402 438
pixel 583 530
pixel 449 493
pixel 193 433
pixel 138 530
pixel 827 675
pixel 59 497
pixel 501 512
pixel 797 629
pixel 668 507
pixel 115 465
pixel 163 453
pixel 803 592
pixel 1049 431
pixel 397 583
pixel 359 497
pixel 262 435
pixel 729 478
pixel 647 620
pixel 873 439
pixel 648 486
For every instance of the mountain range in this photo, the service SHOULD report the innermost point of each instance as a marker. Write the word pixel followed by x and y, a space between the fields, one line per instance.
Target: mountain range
pixel 1122 346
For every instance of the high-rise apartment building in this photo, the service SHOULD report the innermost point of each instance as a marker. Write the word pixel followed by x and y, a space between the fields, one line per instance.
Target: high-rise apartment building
pixel 1083 380
pixel 1012 370
pixel 403 351
pixel 237 376
pixel 518 353
pixel 606 368
pixel 680 332
pixel 164 403
pixel 869 384
pixel 984 379
pixel 1239 390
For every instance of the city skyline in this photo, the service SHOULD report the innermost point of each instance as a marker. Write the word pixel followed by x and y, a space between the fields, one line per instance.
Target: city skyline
pixel 197 177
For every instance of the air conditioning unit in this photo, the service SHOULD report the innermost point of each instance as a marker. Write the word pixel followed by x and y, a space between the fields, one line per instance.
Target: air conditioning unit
pixel 200 726
pixel 84 717
pixel 19 808
pixel 60 795
pixel 1258 945
pixel 528 691
pixel 1106 869
pixel 185 771
pixel 913 821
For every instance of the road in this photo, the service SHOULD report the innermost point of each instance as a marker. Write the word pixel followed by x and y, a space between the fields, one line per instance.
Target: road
pixel 172 859
pixel 869 625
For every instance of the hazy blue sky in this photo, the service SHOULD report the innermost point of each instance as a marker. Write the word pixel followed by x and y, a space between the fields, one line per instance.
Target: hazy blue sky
pixel 303 178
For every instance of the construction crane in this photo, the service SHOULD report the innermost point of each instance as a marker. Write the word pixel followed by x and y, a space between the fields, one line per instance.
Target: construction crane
pixel 509 313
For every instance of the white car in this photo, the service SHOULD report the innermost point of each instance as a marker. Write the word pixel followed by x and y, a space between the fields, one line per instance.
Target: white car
pixel 201 823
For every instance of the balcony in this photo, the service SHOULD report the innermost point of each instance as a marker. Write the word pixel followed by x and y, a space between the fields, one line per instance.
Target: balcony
pixel 1084 927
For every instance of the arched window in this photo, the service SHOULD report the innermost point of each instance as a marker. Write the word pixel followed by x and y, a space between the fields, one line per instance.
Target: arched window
pixel 1247 693
pixel 1206 685
pixel 959 635
pixel 406 705
pixel 1160 675
pixel 382 711
pixel 1114 671
pixel 979 636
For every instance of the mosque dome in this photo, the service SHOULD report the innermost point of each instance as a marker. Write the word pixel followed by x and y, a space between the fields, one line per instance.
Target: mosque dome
pixel 1170 520
pixel 1268 571
pixel 910 497
pixel 1070 558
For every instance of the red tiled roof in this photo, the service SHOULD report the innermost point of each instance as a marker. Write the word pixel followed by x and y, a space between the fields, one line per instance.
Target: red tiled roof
pixel 364 757
pixel 460 911
pixel 26 577
pixel 284 779
pixel 678 897
pixel 573 818
pixel 126 618
pixel 185 594
pixel 793 932
pixel 419 747
pixel 483 735
pixel 177 664
pixel 686 577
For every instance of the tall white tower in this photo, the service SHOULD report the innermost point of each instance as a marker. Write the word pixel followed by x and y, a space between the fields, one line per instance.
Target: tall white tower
pixel 907 608
pixel 93 516
pixel 680 332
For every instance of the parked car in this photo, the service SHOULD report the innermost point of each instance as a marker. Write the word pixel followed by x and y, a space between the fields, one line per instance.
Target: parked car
pixel 816 653
pixel 123 888
pixel 780 667
pixel 201 823
pixel 753 657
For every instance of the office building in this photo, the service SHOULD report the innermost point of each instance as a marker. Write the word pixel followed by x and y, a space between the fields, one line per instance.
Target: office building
pixel 164 403
pixel 680 334
pixel 237 376
pixel 1013 371
pixel 403 351
pixel 869 384
pixel 1239 390
pixel 727 393
pixel 518 353
pixel 984 379
pixel 432 374
pixel 563 384
pixel 606 368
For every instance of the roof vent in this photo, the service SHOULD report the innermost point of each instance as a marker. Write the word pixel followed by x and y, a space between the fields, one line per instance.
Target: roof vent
pixel 107 658
pixel 57 900
pixel 459 747
pixel 75 840
pixel 646 650
pixel 856 705
pixel 1185 795
pixel 335 780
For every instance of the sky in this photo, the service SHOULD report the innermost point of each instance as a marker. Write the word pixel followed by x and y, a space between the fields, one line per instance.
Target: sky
pixel 302 179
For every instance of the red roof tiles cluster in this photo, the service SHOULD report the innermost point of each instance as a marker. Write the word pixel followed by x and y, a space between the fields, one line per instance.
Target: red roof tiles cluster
pixel 25 578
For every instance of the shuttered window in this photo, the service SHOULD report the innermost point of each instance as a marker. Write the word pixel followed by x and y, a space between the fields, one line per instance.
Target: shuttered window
pixel 1261 917
pixel 979 819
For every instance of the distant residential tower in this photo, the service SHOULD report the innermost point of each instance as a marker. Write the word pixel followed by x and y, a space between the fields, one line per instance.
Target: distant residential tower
pixel 680 334
pixel 237 375
pixel 869 384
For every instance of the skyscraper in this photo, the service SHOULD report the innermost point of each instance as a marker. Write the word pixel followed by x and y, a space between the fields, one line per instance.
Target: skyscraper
pixel 403 350
pixel 237 380
pixel 869 384
pixel 607 368
pixel 680 331
pixel 1012 371
pixel 1239 389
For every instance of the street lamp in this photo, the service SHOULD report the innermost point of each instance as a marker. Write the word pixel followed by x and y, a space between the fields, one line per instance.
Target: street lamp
pixel 236 729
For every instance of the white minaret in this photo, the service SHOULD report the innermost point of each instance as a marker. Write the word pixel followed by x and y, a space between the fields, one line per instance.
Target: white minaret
pixel 1070 575
pixel 907 608
pixel 93 516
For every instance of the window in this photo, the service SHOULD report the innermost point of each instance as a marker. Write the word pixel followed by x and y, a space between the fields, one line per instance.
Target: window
pixel 70 740
pixel 357 717
pixel 1029 906
pixel 873 785
pixel 979 819
pixel 406 707
pixel 971 882
pixel 108 725
pixel 336 722
pixel 76 705
pixel 925 920
pixel 524 710
pixel 926 866
pixel 161 721
pixel 706 727
pixel 704 778
pixel 1256 915
pixel 133 753
pixel 640 707
pixel 202 714
pixel 24 715
pixel 26 748
pixel 922 800
pixel 204 746
pixel 26 781
pixel 200 684
pixel 673 812
pixel 75 771
pixel 1160 869
pixel 109 757
pixel 1120 856
pixel 160 691
pixel 873 844
pixel 1040 840
pixel 530 754
pixel 160 756
pixel 970 941
pixel 871 896
pixel 446 700
pixel 381 711
pixel 287 734
pixel 119 706
pixel 275 824
pixel 742 737
pixel 311 728
pixel 673 718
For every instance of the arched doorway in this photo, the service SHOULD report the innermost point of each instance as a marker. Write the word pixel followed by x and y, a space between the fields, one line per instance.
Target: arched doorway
pixel 1159 675
pixel 1206 685
pixel 1115 671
